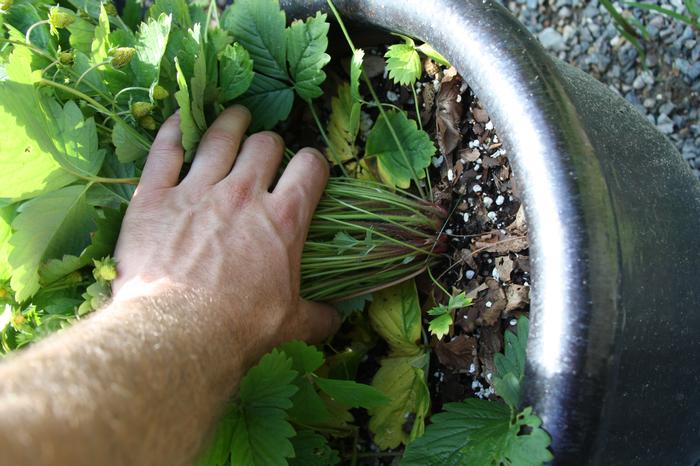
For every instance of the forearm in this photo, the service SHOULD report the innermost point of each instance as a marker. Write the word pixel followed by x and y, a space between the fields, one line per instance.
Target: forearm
pixel 139 383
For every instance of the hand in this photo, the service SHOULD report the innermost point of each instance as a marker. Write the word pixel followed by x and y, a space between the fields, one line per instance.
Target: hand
pixel 222 233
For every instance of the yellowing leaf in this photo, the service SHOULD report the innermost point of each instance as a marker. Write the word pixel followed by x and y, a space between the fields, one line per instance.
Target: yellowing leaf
pixel 402 380
pixel 395 314
pixel 400 159
pixel 343 126
pixel 440 326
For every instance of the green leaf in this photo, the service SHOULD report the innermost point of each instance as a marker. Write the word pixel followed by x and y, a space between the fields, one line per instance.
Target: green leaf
pixel 177 8
pixel 125 146
pixel 355 73
pixel 269 100
pixel 190 131
pixel 132 13
pixel 76 140
pixel 352 394
pixel 395 314
pixel 305 358
pixel 343 126
pixel 99 50
pixel 510 365
pixel 7 214
pixel 259 25
pixel 306 53
pixel 82 33
pixel 348 306
pixel 26 144
pixel 403 63
pixel 440 326
pixel 235 72
pixel 218 450
pixel 51 225
pixel 508 388
pixel 260 430
pixel 151 42
pixel 308 407
pixel 402 380
pixel 480 432
pixel 102 243
pixel 459 301
pixel 430 52
pixel 312 449
pixel 393 164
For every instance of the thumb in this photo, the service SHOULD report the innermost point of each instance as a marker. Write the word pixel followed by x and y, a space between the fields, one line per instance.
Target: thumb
pixel 317 321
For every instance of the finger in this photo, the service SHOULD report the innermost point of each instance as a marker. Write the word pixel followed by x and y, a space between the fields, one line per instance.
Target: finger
pixel 165 159
pixel 317 321
pixel 219 147
pixel 259 159
pixel 301 185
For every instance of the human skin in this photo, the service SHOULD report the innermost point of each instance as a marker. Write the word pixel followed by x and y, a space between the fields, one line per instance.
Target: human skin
pixel 208 282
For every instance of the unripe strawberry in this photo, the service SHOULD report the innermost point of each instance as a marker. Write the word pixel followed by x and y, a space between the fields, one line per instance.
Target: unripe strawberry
pixel 66 58
pixel 18 320
pixel 60 19
pixel 160 93
pixel 121 56
pixel 148 122
pixel 141 109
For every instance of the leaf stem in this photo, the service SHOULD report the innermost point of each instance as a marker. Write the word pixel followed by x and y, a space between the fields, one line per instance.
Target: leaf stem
pixel 31 28
pixel 414 175
pixel 138 136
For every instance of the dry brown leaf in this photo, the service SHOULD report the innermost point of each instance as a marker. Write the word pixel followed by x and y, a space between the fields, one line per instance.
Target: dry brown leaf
pixel 480 115
pixel 470 155
pixel 492 305
pixel 458 353
pixel 504 267
pixel 491 342
pixel 518 297
pixel 498 243
pixel 448 116
pixel 519 225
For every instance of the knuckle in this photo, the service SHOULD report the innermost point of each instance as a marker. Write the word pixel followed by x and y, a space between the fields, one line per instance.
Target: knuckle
pixel 240 193
pixel 287 219
pixel 221 138
pixel 266 141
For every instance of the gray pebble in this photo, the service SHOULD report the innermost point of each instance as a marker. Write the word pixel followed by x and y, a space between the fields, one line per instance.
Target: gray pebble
pixel 551 39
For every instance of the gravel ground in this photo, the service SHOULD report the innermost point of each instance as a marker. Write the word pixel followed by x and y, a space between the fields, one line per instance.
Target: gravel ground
pixel 667 92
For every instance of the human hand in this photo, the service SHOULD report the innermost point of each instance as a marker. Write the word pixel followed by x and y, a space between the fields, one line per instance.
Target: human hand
pixel 222 234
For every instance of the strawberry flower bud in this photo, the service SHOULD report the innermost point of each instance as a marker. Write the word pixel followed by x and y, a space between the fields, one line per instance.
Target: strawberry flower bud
pixel 66 58
pixel 148 122
pixel 105 270
pixel 160 93
pixel 121 56
pixel 141 109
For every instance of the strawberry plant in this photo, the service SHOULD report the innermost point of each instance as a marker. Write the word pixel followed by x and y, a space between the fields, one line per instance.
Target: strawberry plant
pixel 84 89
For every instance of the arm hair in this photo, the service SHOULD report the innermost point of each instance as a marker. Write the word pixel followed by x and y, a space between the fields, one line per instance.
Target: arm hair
pixel 139 383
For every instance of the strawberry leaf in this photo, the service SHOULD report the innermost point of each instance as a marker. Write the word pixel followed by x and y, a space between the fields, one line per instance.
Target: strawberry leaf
pixel 269 100
pixel 312 449
pixel 261 432
pixel 151 42
pixel 51 225
pixel 259 25
pixel 343 126
pixel 480 432
pixel 306 53
pixel 403 63
pixel 397 164
pixel 235 73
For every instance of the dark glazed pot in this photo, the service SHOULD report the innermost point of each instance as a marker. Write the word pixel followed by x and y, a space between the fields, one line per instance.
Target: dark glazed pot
pixel 614 218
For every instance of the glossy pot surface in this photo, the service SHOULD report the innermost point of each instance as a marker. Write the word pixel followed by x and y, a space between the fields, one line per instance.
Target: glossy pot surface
pixel 614 221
